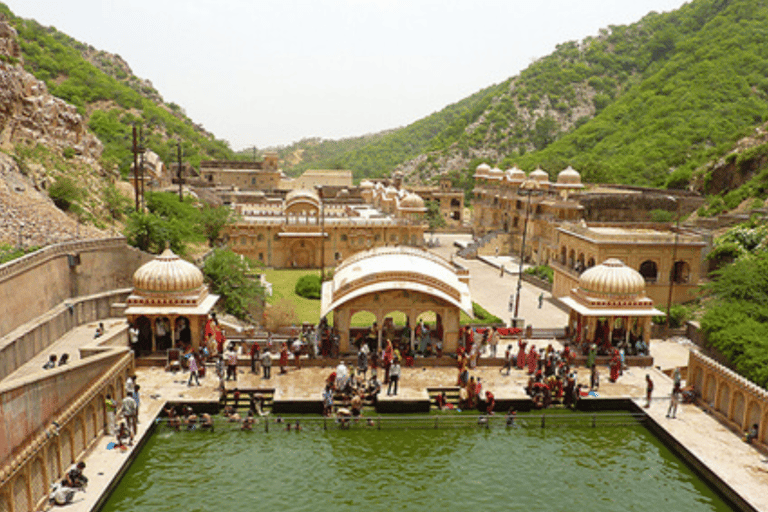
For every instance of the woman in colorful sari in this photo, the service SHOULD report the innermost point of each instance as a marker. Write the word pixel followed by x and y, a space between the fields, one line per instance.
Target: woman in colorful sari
pixel 615 366
pixel 532 360
pixel 521 353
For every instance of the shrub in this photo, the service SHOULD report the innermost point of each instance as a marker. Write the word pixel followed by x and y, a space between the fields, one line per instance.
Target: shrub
pixel 308 287
pixel 661 216
pixel 543 272
pixel 64 193
pixel 483 316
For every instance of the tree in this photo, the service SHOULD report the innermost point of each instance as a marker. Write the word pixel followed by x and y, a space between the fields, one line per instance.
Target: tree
pixel 213 219
pixel 434 218
pixel 230 275
pixel 152 233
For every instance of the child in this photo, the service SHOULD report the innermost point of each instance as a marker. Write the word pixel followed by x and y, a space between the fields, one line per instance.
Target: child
pixel 124 433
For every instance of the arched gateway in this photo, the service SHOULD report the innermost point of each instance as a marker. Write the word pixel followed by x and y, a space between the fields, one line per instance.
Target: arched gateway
pixel 405 279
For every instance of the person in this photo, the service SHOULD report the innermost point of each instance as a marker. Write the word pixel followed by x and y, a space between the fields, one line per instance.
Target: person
pixel 129 412
pixel 99 331
pixel 111 407
pixel 61 494
pixel 490 402
pixel 124 434
pixel 133 338
pixel 362 361
pixel 394 376
pixel 327 400
pixel 521 353
pixel 356 404
pixel 248 422
pixel 75 477
pixel 511 415
pixel 615 366
pixel 501 271
pixel 532 360
pixel 494 340
pixel 137 399
pixel 594 379
pixel 648 390
pixel 206 422
pixel 676 378
pixel 423 331
pixel 592 355
pixel 283 358
pixel 296 349
pixel 64 359
pixel 507 360
pixel 173 417
pixel 254 353
pixel 442 401
pixel 266 363
pixel 674 399
pixel 51 363
pixel 130 382
pixel 541 299
pixel 231 356
pixel 193 370
pixel 751 434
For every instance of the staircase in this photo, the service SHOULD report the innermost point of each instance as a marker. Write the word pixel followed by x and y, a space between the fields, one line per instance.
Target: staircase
pixel 470 251
pixel 451 396
pixel 244 403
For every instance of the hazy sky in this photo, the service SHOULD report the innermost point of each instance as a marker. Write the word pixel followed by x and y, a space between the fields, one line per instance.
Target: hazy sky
pixel 270 72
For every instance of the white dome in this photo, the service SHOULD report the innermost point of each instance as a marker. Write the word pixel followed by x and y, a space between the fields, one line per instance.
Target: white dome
pixel 612 277
pixel 482 171
pixel 167 273
pixel 515 175
pixel 569 176
pixel 412 202
pixel 539 175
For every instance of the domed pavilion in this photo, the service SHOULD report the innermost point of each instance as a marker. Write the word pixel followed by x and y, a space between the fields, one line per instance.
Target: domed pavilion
pixel 610 308
pixel 169 304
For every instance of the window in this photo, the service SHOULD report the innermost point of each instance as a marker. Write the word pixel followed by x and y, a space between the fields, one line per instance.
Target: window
pixel 649 270
pixel 261 256
pixel 260 237
pixel 343 238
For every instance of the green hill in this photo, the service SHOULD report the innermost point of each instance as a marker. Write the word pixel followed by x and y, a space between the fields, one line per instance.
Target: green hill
pixel 645 103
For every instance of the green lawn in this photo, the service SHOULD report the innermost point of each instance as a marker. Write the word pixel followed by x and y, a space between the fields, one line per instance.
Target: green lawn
pixel 284 283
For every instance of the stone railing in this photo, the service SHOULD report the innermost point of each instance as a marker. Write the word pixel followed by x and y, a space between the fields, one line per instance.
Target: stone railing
pixel 74 398
pixel 735 400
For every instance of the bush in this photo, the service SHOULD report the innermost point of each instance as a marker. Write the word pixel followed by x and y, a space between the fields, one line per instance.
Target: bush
pixel 543 272
pixel 483 316
pixel 661 216
pixel 64 193
pixel 308 287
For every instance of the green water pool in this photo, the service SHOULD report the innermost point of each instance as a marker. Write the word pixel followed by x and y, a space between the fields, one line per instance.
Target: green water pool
pixel 608 468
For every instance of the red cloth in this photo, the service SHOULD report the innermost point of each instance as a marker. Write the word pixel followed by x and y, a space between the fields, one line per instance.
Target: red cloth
pixel 532 360
pixel 521 354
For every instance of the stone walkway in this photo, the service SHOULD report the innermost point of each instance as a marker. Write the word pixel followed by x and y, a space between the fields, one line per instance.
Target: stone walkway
pixel 743 467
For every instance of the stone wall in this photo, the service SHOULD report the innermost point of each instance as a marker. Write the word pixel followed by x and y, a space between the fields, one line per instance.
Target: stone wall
pixel 20 345
pixel 73 397
pixel 32 286
pixel 730 397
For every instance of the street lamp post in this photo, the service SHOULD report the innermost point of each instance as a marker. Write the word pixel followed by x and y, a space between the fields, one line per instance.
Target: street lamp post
pixel 529 187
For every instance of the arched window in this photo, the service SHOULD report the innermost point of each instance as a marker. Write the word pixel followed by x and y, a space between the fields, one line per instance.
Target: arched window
pixel 649 271
pixel 681 272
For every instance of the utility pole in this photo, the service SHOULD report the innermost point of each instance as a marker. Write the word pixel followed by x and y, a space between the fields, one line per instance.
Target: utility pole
pixel 178 170
pixel 672 273
pixel 522 254
pixel 141 164
pixel 322 234
pixel 135 150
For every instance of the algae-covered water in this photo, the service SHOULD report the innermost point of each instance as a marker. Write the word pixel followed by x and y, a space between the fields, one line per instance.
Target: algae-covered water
pixel 469 469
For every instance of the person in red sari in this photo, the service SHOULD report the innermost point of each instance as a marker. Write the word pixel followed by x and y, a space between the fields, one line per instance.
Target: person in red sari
pixel 533 358
pixel 615 366
pixel 470 339
pixel 283 358
pixel 521 353
pixel 490 402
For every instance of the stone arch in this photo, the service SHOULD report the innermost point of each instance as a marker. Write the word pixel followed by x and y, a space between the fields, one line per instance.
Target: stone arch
pixel 39 480
pixel 91 426
pixel 698 378
pixel 581 260
pixel 571 258
pixel 563 255
pixel 144 325
pixel 591 262
pixel 5 503
pixel 649 270
pixel 67 457
pixel 681 272
pixel 78 436
pixel 119 389
pixel 754 412
pixel 21 498
pixel 737 408
pixel 360 323
pixel 723 401
pixel 434 322
pixel 710 388
pixel 52 460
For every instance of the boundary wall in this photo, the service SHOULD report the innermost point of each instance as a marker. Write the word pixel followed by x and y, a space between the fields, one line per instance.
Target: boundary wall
pixel 731 398
pixel 32 285
pixel 52 421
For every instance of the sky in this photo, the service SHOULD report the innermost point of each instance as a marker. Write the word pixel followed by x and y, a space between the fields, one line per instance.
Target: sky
pixel 271 72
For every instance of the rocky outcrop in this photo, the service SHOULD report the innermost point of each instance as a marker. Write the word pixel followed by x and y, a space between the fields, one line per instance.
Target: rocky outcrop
pixel 29 113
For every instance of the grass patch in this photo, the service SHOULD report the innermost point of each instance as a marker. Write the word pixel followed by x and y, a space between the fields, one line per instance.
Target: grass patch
pixel 284 286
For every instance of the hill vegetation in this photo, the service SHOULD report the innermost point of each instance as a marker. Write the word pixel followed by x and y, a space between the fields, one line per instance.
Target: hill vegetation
pixel 110 97
pixel 646 104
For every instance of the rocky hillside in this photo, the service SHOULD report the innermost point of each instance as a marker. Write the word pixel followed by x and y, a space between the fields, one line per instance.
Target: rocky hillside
pixel 35 128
